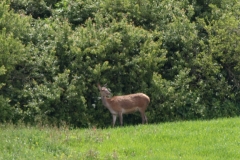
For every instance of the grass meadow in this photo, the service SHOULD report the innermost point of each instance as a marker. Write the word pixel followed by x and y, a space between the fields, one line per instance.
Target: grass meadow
pixel 198 140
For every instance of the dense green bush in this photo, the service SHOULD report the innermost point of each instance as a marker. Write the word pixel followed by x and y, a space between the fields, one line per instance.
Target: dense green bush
pixel 35 8
pixel 183 54
pixel 76 11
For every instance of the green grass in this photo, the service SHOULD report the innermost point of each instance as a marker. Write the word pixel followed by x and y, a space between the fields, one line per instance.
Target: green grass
pixel 215 139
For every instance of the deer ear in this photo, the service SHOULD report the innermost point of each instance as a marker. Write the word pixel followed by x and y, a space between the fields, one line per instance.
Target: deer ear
pixel 99 87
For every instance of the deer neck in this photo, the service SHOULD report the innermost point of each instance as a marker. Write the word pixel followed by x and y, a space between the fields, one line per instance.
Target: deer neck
pixel 105 101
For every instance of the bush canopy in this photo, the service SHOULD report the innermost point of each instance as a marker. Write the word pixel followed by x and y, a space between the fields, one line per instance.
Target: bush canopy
pixel 185 55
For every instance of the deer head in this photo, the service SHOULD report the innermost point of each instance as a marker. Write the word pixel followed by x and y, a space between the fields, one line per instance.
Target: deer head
pixel 104 91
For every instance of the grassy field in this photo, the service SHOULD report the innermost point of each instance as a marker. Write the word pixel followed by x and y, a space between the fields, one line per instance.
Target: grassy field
pixel 215 139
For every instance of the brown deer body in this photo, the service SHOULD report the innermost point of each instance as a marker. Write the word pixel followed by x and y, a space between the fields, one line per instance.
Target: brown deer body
pixel 119 105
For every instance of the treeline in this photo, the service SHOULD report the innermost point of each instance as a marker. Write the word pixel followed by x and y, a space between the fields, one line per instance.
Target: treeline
pixel 184 54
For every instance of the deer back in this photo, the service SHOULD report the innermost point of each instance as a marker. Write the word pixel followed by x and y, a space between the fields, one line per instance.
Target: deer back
pixel 128 102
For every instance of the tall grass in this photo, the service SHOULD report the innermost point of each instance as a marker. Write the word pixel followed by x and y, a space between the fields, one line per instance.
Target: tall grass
pixel 215 139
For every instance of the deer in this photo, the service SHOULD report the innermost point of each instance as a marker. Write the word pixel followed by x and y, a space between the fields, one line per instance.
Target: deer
pixel 124 104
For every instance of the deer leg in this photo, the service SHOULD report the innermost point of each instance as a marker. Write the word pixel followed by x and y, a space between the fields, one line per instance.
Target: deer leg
pixel 121 118
pixel 144 117
pixel 114 119
pixel 146 120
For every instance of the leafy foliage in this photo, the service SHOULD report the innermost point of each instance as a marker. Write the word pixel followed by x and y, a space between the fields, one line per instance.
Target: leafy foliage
pixel 183 54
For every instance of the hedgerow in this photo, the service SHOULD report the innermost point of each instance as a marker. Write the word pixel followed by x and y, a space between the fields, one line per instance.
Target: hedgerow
pixel 183 54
